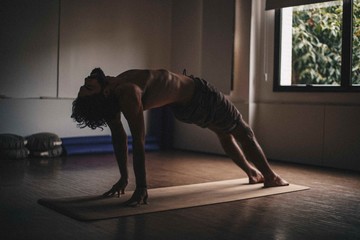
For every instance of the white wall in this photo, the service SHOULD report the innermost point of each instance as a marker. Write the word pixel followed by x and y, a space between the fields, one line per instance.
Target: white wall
pixel 186 36
pixel 28 48
pixel 203 39
pixel 116 35
pixel 113 34
pixel 217 43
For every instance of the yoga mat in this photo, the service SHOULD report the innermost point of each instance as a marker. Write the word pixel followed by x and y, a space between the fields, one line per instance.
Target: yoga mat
pixel 89 208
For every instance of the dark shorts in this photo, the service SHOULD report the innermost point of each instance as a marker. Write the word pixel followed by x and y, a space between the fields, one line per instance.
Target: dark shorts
pixel 208 107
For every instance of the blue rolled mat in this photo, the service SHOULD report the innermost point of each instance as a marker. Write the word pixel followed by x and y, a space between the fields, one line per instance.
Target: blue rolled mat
pixel 86 140
pixel 100 144
pixel 85 149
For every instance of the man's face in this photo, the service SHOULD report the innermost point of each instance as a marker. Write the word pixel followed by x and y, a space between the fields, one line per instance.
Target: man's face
pixel 90 87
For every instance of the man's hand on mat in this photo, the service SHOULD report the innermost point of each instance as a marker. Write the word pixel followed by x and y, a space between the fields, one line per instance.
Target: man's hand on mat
pixel 139 197
pixel 118 188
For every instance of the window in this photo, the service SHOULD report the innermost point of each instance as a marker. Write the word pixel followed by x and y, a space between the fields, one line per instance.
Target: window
pixel 317 45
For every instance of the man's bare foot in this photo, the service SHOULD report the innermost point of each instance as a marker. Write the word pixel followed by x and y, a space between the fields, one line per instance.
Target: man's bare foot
pixel 255 177
pixel 275 181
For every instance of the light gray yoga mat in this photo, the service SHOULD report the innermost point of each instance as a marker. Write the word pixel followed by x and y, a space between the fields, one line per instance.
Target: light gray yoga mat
pixel 89 208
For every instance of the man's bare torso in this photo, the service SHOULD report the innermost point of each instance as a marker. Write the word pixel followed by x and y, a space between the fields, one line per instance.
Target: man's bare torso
pixel 158 87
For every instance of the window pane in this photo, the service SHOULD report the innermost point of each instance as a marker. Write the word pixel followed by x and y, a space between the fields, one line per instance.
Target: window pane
pixel 311 45
pixel 356 44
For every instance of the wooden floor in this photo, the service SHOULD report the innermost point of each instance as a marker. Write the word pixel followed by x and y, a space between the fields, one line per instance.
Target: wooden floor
pixel 329 210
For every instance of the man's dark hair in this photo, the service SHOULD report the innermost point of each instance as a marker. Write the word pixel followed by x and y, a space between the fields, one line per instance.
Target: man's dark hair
pixel 99 75
pixel 93 111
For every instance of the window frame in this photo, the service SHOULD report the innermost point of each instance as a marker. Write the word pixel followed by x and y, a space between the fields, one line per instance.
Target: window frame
pixel 346 61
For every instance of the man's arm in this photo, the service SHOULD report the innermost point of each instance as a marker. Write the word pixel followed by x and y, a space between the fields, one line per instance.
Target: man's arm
pixel 119 141
pixel 132 108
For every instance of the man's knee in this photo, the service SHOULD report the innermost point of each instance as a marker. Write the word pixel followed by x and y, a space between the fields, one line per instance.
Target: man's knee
pixel 245 135
pixel 222 136
pixel 225 138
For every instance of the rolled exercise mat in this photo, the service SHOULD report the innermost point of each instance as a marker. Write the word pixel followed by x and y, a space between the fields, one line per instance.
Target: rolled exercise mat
pixel 100 144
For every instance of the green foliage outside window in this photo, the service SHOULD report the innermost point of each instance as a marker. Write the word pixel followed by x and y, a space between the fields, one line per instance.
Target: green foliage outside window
pixel 316 54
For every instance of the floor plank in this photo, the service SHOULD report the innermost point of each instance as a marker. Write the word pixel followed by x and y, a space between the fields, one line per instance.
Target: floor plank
pixel 330 209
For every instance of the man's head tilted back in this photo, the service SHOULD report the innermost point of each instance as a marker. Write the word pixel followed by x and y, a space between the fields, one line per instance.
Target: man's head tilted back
pixel 91 108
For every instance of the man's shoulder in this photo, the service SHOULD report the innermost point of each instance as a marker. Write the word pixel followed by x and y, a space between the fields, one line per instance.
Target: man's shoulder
pixel 134 73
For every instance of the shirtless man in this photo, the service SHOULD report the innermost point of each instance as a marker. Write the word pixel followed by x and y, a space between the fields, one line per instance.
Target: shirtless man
pixel 102 99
